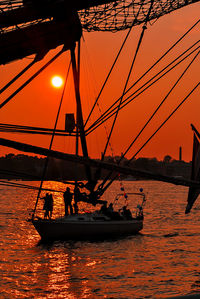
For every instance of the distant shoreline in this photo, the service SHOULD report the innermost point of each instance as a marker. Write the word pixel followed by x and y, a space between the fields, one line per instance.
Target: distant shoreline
pixel 26 167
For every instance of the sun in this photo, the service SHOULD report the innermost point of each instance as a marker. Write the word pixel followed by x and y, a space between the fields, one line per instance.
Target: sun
pixel 57 81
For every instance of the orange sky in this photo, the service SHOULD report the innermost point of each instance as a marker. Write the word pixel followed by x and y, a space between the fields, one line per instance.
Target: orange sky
pixel 37 104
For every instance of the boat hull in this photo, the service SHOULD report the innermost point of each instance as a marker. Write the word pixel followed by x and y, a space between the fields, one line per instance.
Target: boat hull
pixel 70 230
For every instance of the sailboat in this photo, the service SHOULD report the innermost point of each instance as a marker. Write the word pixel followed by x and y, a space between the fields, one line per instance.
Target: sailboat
pixel 91 226
pixel 87 225
pixel 56 23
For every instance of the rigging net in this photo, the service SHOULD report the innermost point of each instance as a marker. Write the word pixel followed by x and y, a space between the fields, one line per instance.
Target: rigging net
pixel 95 16
pixel 119 15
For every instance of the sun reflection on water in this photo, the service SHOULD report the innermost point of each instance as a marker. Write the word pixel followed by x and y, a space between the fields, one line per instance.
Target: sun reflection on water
pixel 162 261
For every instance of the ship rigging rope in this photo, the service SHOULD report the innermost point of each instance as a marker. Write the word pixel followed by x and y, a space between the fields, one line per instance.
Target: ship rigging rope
pixel 170 49
pixel 141 89
pixel 32 130
pixel 109 73
pixel 31 78
pixel 17 76
pixel 52 138
pixel 168 116
pixel 160 105
pixel 101 187
pixel 127 80
pixel 24 186
pixel 98 171
pixel 148 121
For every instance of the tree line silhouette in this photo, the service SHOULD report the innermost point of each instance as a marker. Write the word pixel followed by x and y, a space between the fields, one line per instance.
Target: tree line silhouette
pixel 31 167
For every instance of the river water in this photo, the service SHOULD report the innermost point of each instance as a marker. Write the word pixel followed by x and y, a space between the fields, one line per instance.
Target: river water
pixel 162 261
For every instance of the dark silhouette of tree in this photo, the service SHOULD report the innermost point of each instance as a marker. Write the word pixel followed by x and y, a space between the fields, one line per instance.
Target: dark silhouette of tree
pixel 31 167
pixel 167 159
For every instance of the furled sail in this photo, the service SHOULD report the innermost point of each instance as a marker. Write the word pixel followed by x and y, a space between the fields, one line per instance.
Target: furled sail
pixel 195 173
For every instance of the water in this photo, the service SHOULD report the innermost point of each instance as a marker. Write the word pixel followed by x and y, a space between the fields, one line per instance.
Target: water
pixel 162 261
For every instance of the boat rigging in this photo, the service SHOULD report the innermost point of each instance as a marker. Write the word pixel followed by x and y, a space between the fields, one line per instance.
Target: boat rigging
pixel 30 28
pixel 57 22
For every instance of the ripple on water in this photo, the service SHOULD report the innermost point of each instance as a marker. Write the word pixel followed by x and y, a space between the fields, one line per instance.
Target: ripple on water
pixel 161 261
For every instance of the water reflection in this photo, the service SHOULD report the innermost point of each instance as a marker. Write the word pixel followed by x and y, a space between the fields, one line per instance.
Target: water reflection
pixel 84 269
pixel 62 272
pixel 162 261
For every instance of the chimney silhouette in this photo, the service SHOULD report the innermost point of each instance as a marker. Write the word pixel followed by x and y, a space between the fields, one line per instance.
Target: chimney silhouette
pixel 180 153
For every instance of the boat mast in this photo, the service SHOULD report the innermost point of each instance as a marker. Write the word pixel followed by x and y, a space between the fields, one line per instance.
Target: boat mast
pixel 77 137
pixel 80 124
pixel 78 70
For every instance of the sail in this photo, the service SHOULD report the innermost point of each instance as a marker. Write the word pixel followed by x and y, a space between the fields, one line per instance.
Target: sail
pixel 195 174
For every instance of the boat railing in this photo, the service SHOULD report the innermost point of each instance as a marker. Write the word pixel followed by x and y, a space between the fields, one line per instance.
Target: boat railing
pixel 133 193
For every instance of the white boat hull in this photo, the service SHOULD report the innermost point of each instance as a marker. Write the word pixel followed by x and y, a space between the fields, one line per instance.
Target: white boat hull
pixel 69 229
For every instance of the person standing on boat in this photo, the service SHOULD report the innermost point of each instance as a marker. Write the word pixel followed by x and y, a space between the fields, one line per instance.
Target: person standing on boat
pixel 77 197
pixel 104 208
pixel 139 212
pixel 50 205
pixel 110 210
pixel 126 213
pixel 68 201
pixel 47 205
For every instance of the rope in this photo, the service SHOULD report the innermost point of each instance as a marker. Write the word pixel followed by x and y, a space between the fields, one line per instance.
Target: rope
pixel 32 130
pixel 127 80
pixel 111 181
pixel 30 79
pixel 17 76
pixel 160 105
pixel 98 171
pixel 166 120
pixel 178 41
pixel 24 186
pixel 124 90
pixel 108 176
pixel 128 100
pixel 157 109
pixel 109 73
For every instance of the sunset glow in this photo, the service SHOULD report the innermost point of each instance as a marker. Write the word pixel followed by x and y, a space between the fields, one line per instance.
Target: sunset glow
pixel 43 94
pixel 57 81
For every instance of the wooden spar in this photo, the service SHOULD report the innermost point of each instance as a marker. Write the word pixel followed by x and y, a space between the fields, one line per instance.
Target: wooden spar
pixel 94 163
pixel 78 70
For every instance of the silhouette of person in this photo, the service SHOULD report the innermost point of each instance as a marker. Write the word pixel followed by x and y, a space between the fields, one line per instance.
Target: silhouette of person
pixel 139 212
pixel 104 208
pixel 77 197
pixel 68 201
pixel 126 213
pixel 110 208
pixel 48 205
